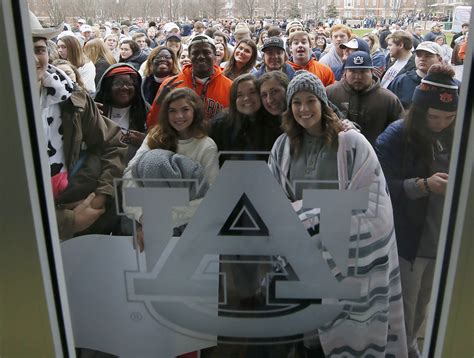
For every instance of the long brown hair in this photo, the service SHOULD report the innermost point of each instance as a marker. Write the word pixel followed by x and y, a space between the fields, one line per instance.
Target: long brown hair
pixel 155 52
pixel 96 49
pixel 230 70
pixel 163 135
pixel 330 124
pixel 75 55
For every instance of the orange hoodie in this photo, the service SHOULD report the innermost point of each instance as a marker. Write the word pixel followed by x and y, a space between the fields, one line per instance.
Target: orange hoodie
pixel 320 70
pixel 215 100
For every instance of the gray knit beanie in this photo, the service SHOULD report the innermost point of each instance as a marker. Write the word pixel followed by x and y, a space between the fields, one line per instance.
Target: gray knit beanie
pixel 306 81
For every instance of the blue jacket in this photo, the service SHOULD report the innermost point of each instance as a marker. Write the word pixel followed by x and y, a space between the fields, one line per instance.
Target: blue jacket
pixel 400 161
pixel 287 70
pixel 404 85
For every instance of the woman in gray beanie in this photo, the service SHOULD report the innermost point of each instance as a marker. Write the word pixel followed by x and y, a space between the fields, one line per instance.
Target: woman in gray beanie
pixel 315 152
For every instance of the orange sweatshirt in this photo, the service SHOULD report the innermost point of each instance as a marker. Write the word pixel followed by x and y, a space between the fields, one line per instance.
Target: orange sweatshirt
pixel 215 99
pixel 320 70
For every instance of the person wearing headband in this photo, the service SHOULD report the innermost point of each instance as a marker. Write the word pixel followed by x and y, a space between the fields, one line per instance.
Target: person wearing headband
pixel 415 154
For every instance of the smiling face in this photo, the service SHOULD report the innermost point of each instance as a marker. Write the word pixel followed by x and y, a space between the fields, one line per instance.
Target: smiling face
pixel 162 63
pixel 307 110
pixel 41 58
pixel 242 54
pixel 438 120
pixel 125 51
pixel 248 99
pixel 123 90
pixel 180 117
pixel 273 96
pixel 62 50
pixel 184 58
pixel 300 49
pixel 219 53
pixel 274 58
pixel 202 57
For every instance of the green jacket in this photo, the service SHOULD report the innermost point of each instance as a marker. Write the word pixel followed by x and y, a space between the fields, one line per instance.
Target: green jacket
pixel 84 126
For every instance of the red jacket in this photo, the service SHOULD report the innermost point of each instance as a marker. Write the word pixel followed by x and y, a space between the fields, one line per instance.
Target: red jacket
pixel 215 100
pixel 320 70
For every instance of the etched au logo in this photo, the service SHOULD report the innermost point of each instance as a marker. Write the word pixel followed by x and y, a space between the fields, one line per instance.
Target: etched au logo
pixel 245 267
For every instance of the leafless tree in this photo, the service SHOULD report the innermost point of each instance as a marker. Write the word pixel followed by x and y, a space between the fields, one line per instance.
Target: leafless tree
pixel 248 7
pixel 275 6
pixel 214 8
pixel 55 12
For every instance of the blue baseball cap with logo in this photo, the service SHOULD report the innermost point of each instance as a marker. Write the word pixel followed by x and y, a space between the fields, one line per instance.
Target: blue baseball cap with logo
pixel 359 59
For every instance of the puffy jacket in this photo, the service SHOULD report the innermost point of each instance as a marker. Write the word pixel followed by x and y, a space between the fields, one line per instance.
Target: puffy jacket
pixel 373 109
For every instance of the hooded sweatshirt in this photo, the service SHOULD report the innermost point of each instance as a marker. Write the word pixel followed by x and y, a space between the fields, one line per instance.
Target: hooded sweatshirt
pixel 216 96
pixel 136 113
pixel 373 109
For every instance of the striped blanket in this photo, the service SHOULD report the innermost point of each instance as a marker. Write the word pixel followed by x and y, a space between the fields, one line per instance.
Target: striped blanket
pixel 373 325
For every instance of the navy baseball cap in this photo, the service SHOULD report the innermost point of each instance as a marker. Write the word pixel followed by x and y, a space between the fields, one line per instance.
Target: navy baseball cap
pixel 359 59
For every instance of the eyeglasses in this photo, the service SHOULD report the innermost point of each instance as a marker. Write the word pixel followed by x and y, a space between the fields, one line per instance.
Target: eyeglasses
pixel 120 84
pixel 163 57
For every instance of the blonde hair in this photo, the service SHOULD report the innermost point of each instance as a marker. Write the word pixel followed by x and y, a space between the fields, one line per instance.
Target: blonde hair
pixel 96 49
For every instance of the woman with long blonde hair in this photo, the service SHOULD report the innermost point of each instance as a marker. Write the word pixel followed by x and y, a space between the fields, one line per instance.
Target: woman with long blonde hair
pixel 101 57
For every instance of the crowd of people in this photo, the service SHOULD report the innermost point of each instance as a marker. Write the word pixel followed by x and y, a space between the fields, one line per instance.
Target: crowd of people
pixel 159 100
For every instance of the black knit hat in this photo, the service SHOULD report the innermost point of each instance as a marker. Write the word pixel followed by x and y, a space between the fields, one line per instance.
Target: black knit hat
pixel 437 90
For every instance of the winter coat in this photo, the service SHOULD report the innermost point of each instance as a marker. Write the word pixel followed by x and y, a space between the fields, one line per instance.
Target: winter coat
pixel 373 109
pixel 135 60
pixel 400 161
pixel 83 124
pixel 404 86
pixel 138 111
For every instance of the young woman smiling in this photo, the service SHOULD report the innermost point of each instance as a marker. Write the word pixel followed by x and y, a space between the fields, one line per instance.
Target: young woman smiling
pixel 316 153
pixel 181 130
pixel 243 59
pixel 161 64
pixel 243 127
